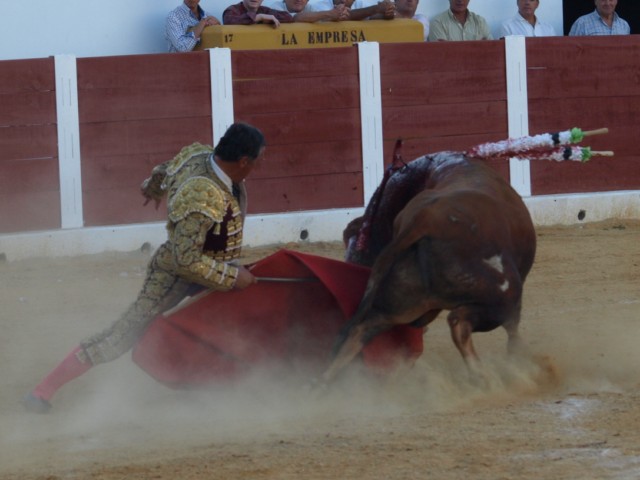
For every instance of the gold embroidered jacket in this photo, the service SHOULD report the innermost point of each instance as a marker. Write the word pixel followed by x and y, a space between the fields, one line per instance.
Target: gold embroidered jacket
pixel 205 219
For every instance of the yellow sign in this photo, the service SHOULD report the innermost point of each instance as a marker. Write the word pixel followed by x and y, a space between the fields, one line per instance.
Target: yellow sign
pixel 310 35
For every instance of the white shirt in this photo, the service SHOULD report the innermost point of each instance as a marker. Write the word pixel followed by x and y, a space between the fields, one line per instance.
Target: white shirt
pixel 280 5
pixel 519 26
pixel 242 201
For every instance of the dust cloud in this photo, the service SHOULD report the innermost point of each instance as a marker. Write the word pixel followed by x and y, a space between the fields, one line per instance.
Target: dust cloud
pixel 580 321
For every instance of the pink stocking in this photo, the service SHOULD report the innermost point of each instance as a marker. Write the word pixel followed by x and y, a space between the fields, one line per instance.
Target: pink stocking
pixel 71 367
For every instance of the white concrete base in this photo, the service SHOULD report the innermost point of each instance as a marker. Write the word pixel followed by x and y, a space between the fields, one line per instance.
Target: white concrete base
pixel 314 226
pixel 582 208
pixel 310 226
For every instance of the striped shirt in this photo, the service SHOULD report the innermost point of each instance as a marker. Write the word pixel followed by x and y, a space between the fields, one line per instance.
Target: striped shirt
pixel 592 24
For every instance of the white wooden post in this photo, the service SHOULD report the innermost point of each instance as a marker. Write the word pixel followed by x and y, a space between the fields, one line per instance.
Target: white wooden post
pixel 221 91
pixel 68 141
pixel 518 108
pixel 370 117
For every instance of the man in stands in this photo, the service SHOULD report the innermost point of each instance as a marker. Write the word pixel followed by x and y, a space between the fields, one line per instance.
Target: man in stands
pixel 185 24
pixel 602 21
pixel 250 12
pixel 526 23
pixel 458 23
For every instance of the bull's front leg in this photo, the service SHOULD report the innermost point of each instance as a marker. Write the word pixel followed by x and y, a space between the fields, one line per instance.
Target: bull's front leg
pixel 461 324
pixel 352 339
pixel 348 348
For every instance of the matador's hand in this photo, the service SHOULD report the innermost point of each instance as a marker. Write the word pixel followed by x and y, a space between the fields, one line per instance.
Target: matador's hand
pixel 146 193
pixel 244 278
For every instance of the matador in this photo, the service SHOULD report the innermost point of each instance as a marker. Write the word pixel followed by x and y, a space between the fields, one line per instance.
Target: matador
pixel 206 205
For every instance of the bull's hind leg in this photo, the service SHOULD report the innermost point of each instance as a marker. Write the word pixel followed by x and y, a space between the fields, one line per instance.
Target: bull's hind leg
pixel 515 344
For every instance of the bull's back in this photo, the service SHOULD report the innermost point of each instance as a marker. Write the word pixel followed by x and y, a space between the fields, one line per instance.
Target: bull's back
pixel 473 210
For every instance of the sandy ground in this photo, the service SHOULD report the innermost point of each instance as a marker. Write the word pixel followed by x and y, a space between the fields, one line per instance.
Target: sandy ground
pixel 573 413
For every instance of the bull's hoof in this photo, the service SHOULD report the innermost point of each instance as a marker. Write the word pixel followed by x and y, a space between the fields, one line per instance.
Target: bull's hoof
pixel 35 404
pixel 316 387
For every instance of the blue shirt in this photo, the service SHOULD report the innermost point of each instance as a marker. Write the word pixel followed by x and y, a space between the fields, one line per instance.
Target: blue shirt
pixel 592 24
pixel 179 21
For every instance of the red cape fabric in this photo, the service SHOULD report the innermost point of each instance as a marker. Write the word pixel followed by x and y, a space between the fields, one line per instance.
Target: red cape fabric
pixel 223 335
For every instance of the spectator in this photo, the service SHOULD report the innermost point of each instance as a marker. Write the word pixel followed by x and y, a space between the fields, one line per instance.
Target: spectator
pixel 185 24
pixel 300 13
pixel 526 23
pixel 206 207
pixel 250 12
pixel 407 9
pixel 358 9
pixel 602 21
pixel 458 23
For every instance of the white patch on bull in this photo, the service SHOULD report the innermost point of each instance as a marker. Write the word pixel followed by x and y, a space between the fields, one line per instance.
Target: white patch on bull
pixel 495 262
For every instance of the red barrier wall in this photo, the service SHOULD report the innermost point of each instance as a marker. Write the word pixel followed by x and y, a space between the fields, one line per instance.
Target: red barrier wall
pixel 443 96
pixel 29 181
pixel 307 103
pixel 137 111
pixel 589 82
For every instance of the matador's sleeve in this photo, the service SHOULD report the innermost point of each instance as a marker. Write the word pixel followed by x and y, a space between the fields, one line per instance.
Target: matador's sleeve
pixel 188 239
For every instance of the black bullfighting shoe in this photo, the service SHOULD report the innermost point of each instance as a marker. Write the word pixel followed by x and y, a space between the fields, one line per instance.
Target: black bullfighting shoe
pixel 35 404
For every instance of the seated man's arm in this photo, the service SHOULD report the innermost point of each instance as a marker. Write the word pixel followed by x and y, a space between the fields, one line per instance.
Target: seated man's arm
pixel 336 14
pixel 279 15
pixel 382 10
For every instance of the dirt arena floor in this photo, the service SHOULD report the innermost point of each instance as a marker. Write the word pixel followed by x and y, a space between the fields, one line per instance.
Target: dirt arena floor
pixel 573 413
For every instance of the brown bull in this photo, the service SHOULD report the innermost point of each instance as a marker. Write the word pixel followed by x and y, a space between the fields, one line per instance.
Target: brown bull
pixel 444 232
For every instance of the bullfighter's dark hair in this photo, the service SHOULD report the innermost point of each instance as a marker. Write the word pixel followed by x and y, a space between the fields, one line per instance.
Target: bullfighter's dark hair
pixel 240 140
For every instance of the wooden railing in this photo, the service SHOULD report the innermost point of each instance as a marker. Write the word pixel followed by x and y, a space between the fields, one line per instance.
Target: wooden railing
pixel 310 35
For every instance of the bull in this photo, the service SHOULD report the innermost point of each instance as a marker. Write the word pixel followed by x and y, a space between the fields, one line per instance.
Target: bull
pixel 444 232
